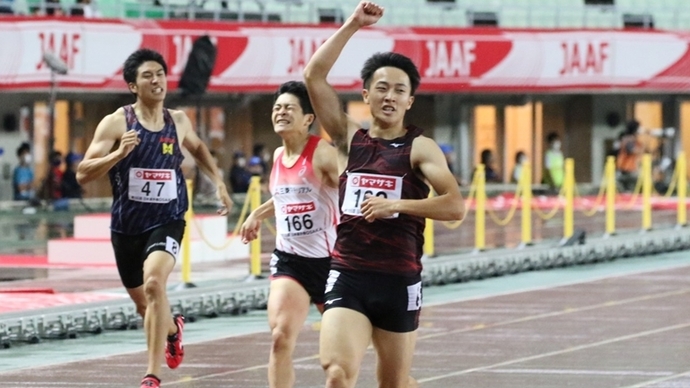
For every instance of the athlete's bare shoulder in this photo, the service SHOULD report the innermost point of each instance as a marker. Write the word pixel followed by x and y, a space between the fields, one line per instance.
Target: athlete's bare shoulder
pixel 326 159
pixel 325 148
pixel 114 124
pixel 176 113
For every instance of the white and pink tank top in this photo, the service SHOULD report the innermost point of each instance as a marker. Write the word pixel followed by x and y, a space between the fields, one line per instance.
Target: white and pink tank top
pixel 306 210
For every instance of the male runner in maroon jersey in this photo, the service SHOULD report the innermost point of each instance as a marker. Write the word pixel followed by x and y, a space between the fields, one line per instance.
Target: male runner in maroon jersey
pixel 374 291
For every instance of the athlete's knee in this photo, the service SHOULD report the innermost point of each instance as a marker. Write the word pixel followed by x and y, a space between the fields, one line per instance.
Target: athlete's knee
pixel 154 287
pixel 337 374
pixel 141 309
pixel 283 340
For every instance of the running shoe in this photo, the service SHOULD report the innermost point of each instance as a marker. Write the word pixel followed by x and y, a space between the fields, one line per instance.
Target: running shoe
pixel 174 351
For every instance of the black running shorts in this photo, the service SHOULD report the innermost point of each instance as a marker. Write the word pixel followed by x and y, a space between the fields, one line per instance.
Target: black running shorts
pixel 310 273
pixel 391 302
pixel 132 250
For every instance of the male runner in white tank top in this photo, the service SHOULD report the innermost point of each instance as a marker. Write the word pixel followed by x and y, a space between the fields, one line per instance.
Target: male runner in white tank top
pixel 304 188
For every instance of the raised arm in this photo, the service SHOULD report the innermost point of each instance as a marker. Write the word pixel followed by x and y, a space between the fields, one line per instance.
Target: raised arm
pixel 324 99
pixel 98 159
pixel 202 156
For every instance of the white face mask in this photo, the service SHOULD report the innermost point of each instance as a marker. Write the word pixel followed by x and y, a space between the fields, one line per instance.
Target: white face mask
pixel 241 162
pixel 27 159
pixel 557 145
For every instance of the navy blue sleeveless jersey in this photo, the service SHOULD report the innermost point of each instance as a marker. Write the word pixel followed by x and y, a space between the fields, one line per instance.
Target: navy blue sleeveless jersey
pixel 393 245
pixel 144 201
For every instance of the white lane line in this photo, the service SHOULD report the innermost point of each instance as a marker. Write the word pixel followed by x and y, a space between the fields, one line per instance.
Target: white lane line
pixel 659 380
pixel 583 372
pixel 557 352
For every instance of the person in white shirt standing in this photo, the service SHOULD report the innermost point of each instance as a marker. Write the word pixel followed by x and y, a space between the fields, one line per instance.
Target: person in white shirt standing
pixel 304 188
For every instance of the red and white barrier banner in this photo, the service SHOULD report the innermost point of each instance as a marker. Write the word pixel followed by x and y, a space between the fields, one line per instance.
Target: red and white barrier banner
pixel 258 57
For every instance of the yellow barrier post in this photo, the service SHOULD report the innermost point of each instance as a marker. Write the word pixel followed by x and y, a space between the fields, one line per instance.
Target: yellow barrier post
pixel 186 240
pixel 646 192
pixel 480 210
pixel 610 173
pixel 254 193
pixel 682 187
pixel 526 182
pixel 569 189
pixel 429 233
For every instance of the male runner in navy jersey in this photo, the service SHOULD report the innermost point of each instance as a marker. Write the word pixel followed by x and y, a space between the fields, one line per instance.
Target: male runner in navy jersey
pixel 304 188
pixel 374 291
pixel 149 198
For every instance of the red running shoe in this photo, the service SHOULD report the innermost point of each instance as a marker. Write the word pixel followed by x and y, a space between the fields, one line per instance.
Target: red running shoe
pixel 174 351
pixel 150 381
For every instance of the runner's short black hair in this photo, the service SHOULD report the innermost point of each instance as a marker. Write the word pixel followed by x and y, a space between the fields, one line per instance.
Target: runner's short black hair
pixel 391 59
pixel 129 69
pixel 299 90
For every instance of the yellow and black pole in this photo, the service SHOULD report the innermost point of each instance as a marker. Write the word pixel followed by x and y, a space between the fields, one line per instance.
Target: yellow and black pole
pixel 526 214
pixel 682 187
pixel 255 246
pixel 610 176
pixel 429 233
pixel 187 240
pixel 646 192
pixel 569 190
pixel 480 209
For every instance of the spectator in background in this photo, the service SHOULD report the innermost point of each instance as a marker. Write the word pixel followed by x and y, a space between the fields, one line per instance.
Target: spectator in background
pixel 84 8
pixel 69 186
pixel 487 159
pixel 627 162
pixel 53 8
pixel 520 160
pixel 51 186
pixel 23 175
pixel 239 175
pixel 554 162
pixel 264 156
pixel 256 166
pixel 6 7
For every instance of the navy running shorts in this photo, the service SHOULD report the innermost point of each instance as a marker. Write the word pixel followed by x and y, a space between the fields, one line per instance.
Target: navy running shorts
pixel 310 273
pixel 391 302
pixel 132 250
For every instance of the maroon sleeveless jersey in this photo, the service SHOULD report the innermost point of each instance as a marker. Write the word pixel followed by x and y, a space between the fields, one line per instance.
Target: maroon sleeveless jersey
pixel 393 245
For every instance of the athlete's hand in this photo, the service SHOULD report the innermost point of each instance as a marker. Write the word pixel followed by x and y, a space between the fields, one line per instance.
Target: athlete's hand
pixel 128 141
pixel 367 13
pixel 375 207
pixel 250 229
pixel 224 198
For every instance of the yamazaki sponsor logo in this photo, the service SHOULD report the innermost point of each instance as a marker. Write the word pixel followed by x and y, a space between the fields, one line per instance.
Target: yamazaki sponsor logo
pixel 154 175
pixel 297 208
pixel 581 58
pixel 374 182
pixel 66 45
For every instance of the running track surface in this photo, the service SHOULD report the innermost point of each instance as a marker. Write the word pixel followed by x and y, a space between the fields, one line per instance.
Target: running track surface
pixel 627 331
